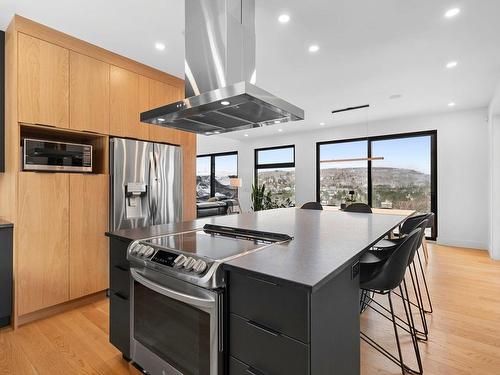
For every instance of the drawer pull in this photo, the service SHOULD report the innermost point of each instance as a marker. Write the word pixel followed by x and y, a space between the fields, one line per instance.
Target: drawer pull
pixel 121 268
pixel 251 371
pixel 262 281
pixel 121 296
pixel 262 328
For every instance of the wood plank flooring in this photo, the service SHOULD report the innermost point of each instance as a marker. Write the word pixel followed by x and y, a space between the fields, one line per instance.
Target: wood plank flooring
pixel 464 339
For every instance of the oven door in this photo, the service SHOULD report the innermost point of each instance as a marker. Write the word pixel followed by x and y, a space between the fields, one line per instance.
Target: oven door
pixel 176 327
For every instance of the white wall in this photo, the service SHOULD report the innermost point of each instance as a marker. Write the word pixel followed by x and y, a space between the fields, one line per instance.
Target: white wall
pixel 463 166
pixel 494 129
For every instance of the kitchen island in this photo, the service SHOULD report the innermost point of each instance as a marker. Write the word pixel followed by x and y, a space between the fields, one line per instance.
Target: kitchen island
pixel 289 308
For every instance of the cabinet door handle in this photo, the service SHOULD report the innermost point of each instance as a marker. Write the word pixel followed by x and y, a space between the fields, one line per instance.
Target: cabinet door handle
pixel 251 371
pixel 121 296
pixel 262 328
pixel 262 281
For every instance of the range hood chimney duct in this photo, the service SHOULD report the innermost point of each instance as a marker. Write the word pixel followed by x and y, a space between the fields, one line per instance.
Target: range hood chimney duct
pixel 220 74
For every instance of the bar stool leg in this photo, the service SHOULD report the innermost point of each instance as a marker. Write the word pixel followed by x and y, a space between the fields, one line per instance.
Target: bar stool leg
pixel 411 322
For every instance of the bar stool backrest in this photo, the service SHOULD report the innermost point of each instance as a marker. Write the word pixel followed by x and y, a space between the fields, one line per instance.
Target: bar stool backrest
pixel 359 207
pixel 413 222
pixel 392 272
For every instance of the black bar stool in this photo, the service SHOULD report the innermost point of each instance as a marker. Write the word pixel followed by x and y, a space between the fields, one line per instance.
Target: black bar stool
pixel 383 277
pixel 418 278
pixel 379 255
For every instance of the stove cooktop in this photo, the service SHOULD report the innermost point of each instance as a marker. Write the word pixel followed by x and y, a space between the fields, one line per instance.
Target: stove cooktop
pixel 196 255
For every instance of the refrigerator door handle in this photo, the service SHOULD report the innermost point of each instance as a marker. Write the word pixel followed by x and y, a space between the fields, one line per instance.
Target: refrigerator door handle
pixel 152 182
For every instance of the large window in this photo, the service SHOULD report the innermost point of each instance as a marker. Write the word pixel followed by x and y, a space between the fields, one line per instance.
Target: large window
pixel 213 175
pixel 397 171
pixel 275 167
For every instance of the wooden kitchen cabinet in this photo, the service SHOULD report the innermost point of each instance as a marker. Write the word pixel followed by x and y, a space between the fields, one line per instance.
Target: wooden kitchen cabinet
pixel 88 247
pixel 43 82
pixel 89 94
pixel 43 241
pixel 161 94
pixel 129 96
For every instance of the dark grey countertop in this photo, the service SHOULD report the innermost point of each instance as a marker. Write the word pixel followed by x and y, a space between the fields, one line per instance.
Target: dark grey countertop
pixel 324 244
pixel 5 224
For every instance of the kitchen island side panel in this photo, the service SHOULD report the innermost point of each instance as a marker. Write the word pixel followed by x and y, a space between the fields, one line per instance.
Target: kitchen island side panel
pixel 335 342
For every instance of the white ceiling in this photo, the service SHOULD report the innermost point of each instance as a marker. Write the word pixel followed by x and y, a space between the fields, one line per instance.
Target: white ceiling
pixel 369 50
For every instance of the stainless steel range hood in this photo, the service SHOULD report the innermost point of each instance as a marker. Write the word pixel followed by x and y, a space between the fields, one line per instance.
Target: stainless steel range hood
pixel 220 74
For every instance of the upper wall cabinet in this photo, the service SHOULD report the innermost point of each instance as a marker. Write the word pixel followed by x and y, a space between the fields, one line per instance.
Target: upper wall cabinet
pixel 43 82
pixel 89 89
pixel 161 94
pixel 129 96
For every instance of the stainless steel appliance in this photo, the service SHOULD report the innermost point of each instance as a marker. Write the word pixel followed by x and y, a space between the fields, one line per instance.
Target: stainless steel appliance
pixel 177 297
pixel 146 183
pixel 43 155
pixel 220 74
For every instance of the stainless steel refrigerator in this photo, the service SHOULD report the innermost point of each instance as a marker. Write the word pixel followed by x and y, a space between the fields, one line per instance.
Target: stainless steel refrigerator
pixel 146 183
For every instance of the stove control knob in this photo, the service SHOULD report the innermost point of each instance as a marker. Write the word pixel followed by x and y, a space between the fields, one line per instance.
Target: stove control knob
pixel 134 248
pixel 142 250
pixel 200 266
pixel 189 263
pixel 149 251
pixel 179 261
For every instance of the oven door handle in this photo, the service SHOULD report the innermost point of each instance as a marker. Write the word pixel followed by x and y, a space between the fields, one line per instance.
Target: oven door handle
pixel 171 293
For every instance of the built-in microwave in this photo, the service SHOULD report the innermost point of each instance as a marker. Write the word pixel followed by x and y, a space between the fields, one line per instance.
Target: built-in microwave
pixel 43 155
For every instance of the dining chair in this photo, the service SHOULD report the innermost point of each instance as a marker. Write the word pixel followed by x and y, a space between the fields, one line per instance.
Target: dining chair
pixel 312 206
pixel 358 207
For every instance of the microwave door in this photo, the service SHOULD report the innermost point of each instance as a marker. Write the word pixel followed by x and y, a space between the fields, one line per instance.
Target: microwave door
pixel 168 197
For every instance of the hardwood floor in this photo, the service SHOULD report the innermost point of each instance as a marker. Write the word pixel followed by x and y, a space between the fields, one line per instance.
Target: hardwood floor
pixel 465 326
pixel 464 338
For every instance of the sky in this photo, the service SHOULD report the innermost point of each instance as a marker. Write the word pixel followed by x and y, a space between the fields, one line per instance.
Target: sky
pixel 409 153
pixel 224 165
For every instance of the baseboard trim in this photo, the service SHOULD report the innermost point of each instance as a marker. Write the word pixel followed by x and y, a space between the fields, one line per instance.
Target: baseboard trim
pixel 54 310
pixel 463 244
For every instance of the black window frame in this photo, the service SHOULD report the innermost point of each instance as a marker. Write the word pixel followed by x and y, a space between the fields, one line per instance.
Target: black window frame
pixel 370 140
pixel 212 168
pixel 258 166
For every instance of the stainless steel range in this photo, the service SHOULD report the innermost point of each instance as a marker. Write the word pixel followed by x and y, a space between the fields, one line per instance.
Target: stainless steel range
pixel 178 297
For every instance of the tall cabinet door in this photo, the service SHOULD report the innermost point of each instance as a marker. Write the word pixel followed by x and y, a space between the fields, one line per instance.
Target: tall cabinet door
pixel 129 96
pixel 161 94
pixel 88 250
pixel 89 94
pixel 43 241
pixel 43 82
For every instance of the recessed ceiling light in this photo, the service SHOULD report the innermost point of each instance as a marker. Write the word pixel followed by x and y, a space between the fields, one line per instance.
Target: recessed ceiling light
pixel 452 104
pixel 225 102
pixel 284 18
pixel 216 132
pixel 161 120
pixel 313 48
pixel 160 46
pixel 246 135
pixel 322 123
pixel 395 96
pixel 280 130
pixel 277 122
pixel 452 12
pixel 451 64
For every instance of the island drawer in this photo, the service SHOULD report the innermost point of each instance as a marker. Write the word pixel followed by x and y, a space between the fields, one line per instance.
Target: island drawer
pixel 282 308
pixel 264 350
